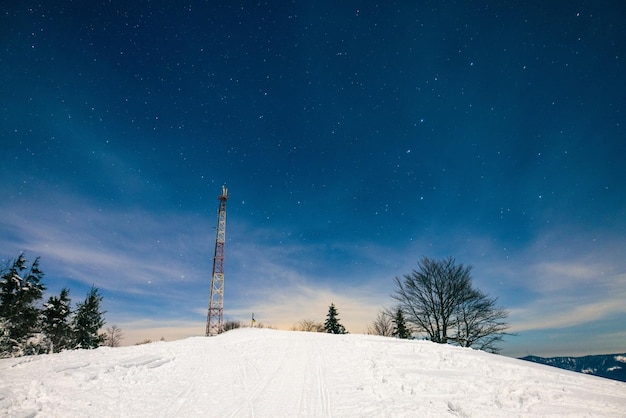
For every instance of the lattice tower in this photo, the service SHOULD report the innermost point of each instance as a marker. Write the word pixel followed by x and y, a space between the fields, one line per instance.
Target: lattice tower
pixel 215 317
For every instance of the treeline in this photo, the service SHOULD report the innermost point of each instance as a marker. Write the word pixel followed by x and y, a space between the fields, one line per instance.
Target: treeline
pixel 332 324
pixel 28 326
pixel 387 324
pixel 437 302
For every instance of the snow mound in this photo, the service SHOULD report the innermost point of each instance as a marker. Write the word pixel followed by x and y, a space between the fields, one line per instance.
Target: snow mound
pixel 269 373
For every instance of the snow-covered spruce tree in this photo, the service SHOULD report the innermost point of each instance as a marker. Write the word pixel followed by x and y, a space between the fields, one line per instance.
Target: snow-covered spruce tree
pixel 399 326
pixel 332 324
pixel 5 340
pixel 20 289
pixel 56 322
pixel 88 320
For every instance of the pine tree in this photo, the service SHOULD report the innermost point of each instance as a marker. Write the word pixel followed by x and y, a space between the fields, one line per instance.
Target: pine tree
pixel 56 321
pixel 332 324
pixel 18 294
pixel 88 321
pixel 400 330
pixel 6 347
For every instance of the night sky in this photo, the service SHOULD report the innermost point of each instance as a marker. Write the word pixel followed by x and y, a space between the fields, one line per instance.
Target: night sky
pixel 355 138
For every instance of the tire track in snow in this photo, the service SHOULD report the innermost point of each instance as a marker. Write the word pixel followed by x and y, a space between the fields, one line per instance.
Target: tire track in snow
pixel 307 374
pixel 182 396
pixel 195 374
pixel 251 395
pixel 292 372
pixel 322 388
pixel 303 381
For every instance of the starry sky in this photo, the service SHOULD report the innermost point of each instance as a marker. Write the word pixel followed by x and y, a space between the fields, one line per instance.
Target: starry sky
pixel 355 138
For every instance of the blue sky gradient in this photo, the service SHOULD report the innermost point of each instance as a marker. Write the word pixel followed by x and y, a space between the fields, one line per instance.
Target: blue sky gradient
pixel 354 139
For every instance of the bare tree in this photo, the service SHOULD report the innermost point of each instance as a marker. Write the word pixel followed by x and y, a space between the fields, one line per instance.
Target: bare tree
pixel 439 300
pixel 113 336
pixel 309 325
pixel 480 323
pixel 382 325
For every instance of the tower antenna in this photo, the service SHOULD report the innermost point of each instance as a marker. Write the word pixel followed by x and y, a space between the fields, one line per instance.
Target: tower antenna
pixel 215 317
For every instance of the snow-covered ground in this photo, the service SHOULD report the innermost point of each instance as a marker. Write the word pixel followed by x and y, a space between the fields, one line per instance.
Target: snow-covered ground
pixel 269 373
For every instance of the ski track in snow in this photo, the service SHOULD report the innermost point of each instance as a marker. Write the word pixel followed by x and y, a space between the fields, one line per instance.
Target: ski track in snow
pixel 266 373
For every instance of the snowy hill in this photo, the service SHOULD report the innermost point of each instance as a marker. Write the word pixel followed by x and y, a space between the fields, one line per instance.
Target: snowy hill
pixel 268 373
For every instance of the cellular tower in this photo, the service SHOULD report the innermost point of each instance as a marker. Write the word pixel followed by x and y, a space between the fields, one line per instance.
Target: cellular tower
pixel 215 317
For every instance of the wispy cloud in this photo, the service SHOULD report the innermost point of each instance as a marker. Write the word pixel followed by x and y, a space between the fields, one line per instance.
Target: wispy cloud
pixel 559 283
pixel 146 259
pixel 552 313
pixel 127 250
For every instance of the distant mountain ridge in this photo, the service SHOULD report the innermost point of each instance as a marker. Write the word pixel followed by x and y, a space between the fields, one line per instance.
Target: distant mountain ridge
pixel 611 366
